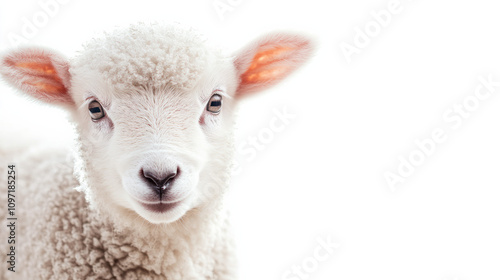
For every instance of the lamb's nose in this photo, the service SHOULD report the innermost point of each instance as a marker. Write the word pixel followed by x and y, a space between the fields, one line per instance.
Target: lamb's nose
pixel 160 182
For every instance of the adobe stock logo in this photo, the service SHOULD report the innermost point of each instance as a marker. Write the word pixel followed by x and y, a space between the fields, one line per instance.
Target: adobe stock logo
pixel 31 26
pixel 323 251
pixel 253 145
pixel 454 117
pixel 374 27
pixel 224 6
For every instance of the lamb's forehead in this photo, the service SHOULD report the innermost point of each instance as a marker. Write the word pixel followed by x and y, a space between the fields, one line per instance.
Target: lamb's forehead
pixel 152 55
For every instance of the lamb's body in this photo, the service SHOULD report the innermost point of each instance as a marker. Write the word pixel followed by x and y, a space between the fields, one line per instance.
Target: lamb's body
pixel 142 195
pixel 75 242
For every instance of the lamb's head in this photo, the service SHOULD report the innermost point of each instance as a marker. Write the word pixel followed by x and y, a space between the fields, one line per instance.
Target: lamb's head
pixel 153 108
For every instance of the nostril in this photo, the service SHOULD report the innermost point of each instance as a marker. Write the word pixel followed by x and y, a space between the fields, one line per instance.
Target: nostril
pixel 159 182
pixel 150 178
pixel 166 182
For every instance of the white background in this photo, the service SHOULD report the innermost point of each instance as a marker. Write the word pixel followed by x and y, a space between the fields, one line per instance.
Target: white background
pixel 322 177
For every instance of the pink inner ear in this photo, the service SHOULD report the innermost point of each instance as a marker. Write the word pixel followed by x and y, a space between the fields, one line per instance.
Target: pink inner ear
pixel 268 56
pixel 271 61
pixel 39 74
pixel 43 77
pixel 260 72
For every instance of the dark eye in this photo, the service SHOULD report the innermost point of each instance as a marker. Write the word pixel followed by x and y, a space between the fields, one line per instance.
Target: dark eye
pixel 96 111
pixel 214 104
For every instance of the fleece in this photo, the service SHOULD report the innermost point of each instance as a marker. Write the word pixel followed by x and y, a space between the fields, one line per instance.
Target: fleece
pixel 145 55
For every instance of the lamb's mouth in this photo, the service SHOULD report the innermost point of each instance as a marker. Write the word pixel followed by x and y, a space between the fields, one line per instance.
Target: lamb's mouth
pixel 160 207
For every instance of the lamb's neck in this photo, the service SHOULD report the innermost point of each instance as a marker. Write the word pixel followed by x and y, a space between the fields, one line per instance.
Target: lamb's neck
pixel 202 234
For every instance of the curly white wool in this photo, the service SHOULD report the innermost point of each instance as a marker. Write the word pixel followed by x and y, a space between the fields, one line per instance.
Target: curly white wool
pixel 163 56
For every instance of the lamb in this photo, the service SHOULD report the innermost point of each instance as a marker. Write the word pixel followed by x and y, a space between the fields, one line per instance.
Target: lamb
pixel 142 195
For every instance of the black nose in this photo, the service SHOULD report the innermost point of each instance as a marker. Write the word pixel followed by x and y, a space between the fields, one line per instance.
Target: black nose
pixel 160 182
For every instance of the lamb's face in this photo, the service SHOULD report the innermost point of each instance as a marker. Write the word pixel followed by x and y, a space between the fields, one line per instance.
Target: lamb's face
pixel 153 110
pixel 156 148
pixel 147 150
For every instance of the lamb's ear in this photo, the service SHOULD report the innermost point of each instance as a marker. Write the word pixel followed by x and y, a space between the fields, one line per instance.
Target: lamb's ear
pixel 267 61
pixel 41 73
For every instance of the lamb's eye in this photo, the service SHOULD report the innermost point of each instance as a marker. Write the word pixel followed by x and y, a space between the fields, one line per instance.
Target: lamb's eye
pixel 214 104
pixel 96 111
